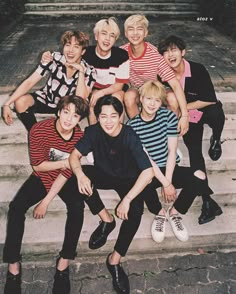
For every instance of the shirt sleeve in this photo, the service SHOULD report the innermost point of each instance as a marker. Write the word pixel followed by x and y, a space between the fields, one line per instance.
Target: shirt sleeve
pixel 84 145
pixel 122 74
pixel 137 150
pixel 172 125
pixel 90 74
pixel 37 148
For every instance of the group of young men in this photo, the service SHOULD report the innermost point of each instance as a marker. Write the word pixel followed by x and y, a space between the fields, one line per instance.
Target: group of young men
pixel 134 159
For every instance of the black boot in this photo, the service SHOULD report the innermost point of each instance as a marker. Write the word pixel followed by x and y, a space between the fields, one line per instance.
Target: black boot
pixel 120 280
pixel 215 150
pixel 61 283
pixel 210 209
pixel 13 283
pixel 99 236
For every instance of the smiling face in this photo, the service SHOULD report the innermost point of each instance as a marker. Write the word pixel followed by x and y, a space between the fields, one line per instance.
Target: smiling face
pixel 68 118
pixel 105 38
pixel 73 51
pixel 109 120
pixel 150 105
pixel 173 56
pixel 136 33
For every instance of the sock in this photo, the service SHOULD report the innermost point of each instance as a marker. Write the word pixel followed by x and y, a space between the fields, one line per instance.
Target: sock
pixel 28 119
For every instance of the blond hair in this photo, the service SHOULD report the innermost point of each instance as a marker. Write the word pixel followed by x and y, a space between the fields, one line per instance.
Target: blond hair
pixel 111 22
pixel 153 89
pixel 136 19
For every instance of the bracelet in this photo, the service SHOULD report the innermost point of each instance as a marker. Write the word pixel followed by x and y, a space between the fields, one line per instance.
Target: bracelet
pixel 167 186
pixel 184 116
pixel 6 105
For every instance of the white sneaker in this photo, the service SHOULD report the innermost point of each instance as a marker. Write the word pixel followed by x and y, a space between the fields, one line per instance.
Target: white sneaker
pixel 178 227
pixel 158 228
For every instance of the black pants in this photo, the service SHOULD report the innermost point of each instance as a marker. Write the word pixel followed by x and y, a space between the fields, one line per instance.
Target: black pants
pixel 122 186
pixel 213 115
pixel 31 193
pixel 182 178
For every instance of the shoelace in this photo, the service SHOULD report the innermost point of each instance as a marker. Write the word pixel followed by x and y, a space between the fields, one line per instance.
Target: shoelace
pixel 177 221
pixel 160 224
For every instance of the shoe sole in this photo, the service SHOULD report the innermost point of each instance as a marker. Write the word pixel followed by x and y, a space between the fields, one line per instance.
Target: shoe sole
pixel 217 213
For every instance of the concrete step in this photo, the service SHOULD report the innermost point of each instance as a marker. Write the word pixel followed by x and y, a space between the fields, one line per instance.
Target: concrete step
pixel 223 194
pixel 15 161
pixel 104 1
pixel 46 235
pixel 112 6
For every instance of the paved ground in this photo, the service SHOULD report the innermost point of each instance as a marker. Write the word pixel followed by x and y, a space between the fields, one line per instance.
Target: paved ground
pixel 21 47
pixel 209 273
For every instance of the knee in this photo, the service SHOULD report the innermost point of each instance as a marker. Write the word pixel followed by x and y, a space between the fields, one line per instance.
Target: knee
pixel 130 98
pixel 200 174
pixel 23 103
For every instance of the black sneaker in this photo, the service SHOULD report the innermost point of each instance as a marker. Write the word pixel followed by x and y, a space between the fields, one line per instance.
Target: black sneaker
pixel 210 209
pixel 120 279
pixel 13 283
pixel 99 236
pixel 215 150
pixel 61 283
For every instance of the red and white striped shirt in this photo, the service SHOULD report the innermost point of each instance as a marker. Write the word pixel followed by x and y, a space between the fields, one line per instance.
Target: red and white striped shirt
pixel 46 144
pixel 147 66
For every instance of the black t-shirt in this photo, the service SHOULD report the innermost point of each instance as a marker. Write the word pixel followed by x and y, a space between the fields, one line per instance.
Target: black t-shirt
pixel 121 156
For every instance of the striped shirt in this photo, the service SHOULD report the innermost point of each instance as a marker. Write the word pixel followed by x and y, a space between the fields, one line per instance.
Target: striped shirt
pixel 59 84
pixel 154 134
pixel 111 70
pixel 147 66
pixel 46 144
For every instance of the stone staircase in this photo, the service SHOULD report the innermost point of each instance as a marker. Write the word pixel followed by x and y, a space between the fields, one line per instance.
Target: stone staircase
pixel 45 236
pixel 78 8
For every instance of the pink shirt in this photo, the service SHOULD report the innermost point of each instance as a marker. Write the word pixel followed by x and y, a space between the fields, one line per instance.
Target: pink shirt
pixel 187 73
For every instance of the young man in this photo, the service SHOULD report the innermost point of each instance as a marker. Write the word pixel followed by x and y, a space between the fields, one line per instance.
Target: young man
pixel 156 127
pixel 203 108
pixel 68 74
pixel 51 142
pixel 146 64
pixel 111 63
pixel 120 164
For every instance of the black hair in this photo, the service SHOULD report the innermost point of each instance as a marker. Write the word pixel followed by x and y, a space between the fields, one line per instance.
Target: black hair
pixel 81 105
pixel 169 42
pixel 108 100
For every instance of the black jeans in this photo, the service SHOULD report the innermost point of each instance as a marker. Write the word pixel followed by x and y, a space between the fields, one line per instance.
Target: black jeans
pixel 122 186
pixel 182 178
pixel 33 191
pixel 213 115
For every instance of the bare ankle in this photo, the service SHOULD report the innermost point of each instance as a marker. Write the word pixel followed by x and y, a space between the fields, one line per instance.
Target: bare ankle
pixel 14 268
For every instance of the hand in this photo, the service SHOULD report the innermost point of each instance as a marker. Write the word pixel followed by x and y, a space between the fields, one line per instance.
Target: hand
pixel 95 96
pixel 40 210
pixel 123 209
pixel 77 66
pixel 183 125
pixel 46 57
pixel 169 193
pixel 7 114
pixel 84 184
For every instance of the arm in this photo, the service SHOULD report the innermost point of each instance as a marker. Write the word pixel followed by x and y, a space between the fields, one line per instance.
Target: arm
pixel 41 209
pixel 143 180
pixel 19 92
pixel 46 166
pixel 179 93
pixel 109 90
pixel 84 183
pixel 198 104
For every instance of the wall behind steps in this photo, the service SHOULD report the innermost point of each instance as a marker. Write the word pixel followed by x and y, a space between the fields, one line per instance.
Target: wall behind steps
pixel 220 14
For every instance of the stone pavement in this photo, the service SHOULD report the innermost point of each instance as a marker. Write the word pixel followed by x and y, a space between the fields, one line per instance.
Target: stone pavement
pixel 208 273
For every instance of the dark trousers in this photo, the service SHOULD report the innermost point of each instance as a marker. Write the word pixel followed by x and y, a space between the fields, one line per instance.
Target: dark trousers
pixel 213 115
pixel 31 193
pixel 122 186
pixel 182 178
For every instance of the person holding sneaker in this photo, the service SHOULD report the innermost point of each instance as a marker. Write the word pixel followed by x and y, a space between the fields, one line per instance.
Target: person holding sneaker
pixel 51 142
pixel 203 108
pixel 157 128
pixel 121 164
